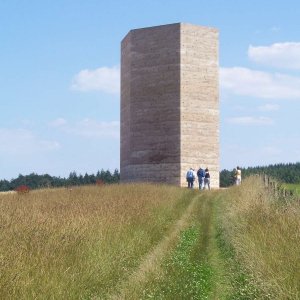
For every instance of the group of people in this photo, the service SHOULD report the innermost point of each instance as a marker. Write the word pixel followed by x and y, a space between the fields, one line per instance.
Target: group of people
pixel 203 178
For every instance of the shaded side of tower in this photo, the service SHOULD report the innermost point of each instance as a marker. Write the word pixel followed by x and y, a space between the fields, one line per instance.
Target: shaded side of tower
pixel 150 105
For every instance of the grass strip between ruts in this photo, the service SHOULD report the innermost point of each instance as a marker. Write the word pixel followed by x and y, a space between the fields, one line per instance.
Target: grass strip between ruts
pixel 184 278
pixel 186 272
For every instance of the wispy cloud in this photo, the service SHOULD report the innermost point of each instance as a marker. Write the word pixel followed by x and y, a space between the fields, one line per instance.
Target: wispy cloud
pixel 247 82
pixel 58 122
pixel 22 141
pixel 103 79
pixel 275 29
pixel 248 120
pixel 88 128
pixel 280 55
pixel 269 107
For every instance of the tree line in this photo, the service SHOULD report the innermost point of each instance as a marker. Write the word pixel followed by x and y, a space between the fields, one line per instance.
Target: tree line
pixel 286 173
pixel 35 181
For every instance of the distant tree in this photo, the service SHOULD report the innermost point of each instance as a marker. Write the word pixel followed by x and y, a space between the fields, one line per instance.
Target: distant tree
pixel 86 179
pixel 73 179
pixel 92 179
pixel 116 176
pixel 5 185
pixel 225 178
pixel 80 180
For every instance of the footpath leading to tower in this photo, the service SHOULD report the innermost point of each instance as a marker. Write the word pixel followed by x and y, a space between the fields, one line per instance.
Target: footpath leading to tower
pixel 194 261
pixel 186 264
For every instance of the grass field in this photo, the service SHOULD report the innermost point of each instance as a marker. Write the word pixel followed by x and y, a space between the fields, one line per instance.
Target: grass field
pixel 72 244
pixel 295 187
pixel 263 234
pixel 144 241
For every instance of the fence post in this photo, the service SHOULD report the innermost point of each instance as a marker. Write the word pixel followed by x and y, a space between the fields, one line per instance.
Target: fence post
pixel 275 189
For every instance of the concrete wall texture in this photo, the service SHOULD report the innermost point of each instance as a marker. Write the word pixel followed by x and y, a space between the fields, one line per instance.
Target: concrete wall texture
pixel 169 103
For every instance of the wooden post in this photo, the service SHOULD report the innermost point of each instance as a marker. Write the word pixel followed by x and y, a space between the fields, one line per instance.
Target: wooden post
pixel 275 188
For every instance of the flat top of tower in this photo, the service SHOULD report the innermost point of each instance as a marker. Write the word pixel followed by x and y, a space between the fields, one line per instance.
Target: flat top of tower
pixel 170 25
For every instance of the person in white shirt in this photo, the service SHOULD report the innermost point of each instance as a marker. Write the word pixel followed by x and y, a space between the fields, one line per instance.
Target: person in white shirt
pixel 238 176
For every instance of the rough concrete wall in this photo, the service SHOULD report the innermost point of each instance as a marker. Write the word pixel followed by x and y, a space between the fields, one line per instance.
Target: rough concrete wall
pixel 125 104
pixel 199 100
pixel 169 103
pixel 150 105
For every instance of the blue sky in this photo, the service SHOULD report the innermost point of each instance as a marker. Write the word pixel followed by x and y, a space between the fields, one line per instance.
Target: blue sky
pixel 59 80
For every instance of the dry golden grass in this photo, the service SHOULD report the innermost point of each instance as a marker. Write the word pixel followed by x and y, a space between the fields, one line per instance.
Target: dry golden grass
pixel 80 243
pixel 265 234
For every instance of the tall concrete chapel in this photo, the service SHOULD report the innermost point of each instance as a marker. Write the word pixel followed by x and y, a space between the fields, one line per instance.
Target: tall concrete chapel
pixel 169 103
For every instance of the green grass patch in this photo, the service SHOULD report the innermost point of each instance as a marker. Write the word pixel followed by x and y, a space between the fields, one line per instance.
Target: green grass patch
pixel 184 275
pixel 242 285
pixel 192 270
pixel 294 187
pixel 260 237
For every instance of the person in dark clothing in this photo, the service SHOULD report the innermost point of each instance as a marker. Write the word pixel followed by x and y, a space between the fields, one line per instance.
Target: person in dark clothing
pixel 207 179
pixel 201 176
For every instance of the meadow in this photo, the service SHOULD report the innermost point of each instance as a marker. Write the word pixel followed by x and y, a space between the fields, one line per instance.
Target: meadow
pixel 294 187
pixel 79 243
pixel 143 241
pixel 260 233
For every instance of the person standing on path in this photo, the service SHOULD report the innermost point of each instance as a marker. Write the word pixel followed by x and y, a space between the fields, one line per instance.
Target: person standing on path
pixel 201 176
pixel 238 176
pixel 207 179
pixel 190 177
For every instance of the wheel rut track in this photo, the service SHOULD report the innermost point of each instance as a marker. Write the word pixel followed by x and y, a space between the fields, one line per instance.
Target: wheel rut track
pixel 152 260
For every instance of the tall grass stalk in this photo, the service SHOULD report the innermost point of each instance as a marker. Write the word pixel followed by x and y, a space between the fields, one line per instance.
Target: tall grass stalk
pixel 265 235
pixel 80 243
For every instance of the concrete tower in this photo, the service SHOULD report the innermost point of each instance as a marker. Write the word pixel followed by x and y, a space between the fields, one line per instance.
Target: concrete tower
pixel 169 103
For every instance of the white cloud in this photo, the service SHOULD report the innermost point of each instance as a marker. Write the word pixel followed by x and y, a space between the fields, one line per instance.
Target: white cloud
pixel 269 107
pixel 102 79
pixel 247 82
pixel 250 120
pixel 58 122
pixel 22 141
pixel 89 128
pixel 281 55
